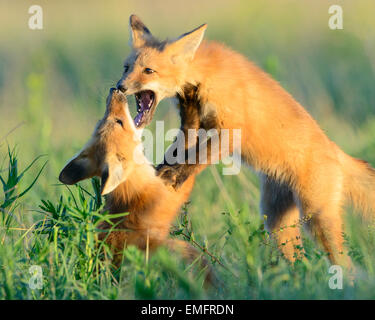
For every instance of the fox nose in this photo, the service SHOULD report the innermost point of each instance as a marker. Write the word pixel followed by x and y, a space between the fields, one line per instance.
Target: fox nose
pixel 121 87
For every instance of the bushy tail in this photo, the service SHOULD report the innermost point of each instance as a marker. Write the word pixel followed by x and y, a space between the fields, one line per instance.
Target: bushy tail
pixel 359 184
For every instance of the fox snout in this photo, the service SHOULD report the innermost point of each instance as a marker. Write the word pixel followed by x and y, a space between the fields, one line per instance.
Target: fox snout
pixel 116 93
pixel 120 86
pixel 75 171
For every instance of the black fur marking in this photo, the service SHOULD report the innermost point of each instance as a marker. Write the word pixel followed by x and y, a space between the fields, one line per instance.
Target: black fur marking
pixel 156 44
pixel 73 173
pixel 104 178
pixel 190 108
pixel 175 175
pixel 187 33
pixel 137 24
pixel 192 117
pixel 209 121
pixel 150 41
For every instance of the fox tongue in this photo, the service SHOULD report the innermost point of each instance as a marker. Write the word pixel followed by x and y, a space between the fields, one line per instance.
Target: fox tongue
pixel 138 118
pixel 144 102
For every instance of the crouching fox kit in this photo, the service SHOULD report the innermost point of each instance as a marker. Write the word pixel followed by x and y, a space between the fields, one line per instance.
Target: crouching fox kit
pixel 303 173
pixel 130 184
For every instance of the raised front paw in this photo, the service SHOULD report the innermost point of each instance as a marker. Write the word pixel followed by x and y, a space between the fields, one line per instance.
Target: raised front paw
pixel 173 175
pixel 168 174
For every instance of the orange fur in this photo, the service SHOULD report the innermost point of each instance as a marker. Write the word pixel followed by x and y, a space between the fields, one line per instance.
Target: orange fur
pixel 130 184
pixel 302 172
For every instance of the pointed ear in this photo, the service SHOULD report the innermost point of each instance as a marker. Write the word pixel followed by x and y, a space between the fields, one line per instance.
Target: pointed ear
pixel 112 176
pixel 187 44
pixel 77 169
pixel 139 32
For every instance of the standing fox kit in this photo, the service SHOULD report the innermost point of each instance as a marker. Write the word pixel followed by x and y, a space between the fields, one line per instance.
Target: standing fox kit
pixel 302 172
pixel 129 182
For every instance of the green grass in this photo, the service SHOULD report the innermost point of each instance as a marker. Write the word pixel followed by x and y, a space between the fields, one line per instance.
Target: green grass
pixel 63 242
pixel 53 85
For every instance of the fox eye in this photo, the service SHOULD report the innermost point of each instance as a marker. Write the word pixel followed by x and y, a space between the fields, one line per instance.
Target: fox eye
pixel 126 68
pixel 119 122
pixel 148 71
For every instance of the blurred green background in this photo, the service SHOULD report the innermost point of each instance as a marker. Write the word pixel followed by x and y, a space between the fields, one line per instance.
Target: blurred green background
pixel 53 82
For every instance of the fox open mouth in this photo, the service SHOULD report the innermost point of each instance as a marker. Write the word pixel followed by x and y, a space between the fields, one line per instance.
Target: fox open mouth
pixel 145 101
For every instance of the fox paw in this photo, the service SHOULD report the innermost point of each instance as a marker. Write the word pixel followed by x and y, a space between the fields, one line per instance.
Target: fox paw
pixel 173 175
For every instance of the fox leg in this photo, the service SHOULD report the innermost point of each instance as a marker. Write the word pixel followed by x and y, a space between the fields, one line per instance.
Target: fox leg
pixel 177 174
pixel 203 153
pixel 329 232
pixel 323 203
pixel 326 225
pixel 174 173
pixel 282 217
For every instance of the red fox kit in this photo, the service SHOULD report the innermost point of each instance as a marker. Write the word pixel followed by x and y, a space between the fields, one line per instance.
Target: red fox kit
pixel 302 172
pixel 129 182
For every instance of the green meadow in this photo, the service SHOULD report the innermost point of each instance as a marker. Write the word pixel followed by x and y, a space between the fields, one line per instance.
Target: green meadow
pixel 53 85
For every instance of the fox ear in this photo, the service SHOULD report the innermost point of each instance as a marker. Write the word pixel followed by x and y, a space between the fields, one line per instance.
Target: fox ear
pixel 188 43
pixel 77 169
pixel 112 176
pixel 139 32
